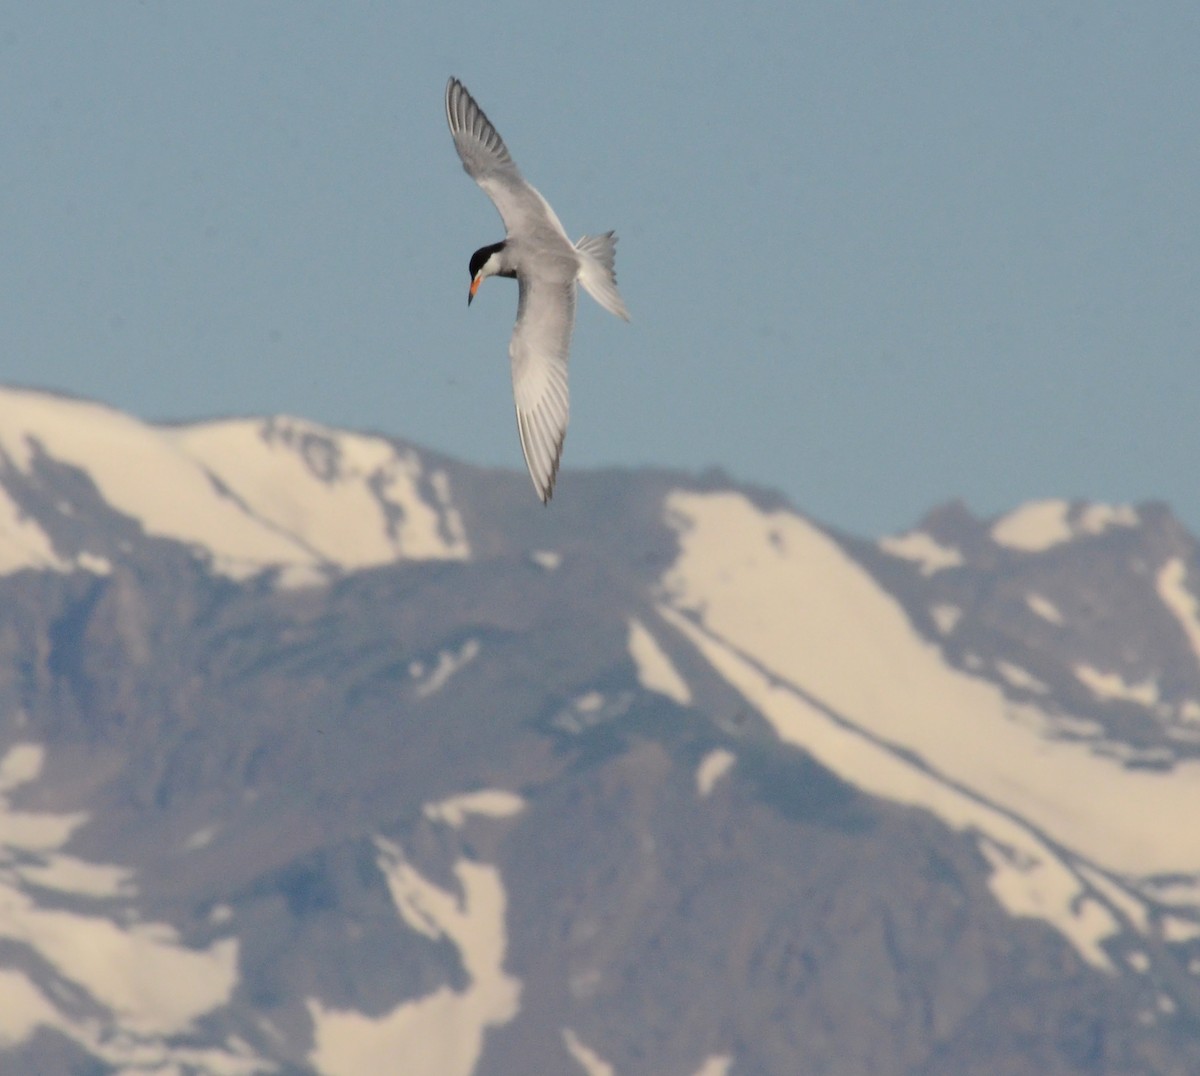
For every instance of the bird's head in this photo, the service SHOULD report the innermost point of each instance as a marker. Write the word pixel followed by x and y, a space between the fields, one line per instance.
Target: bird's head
pixel 485 262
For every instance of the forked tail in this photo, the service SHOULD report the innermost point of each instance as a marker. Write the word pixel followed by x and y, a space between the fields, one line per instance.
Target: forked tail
pixel 597 272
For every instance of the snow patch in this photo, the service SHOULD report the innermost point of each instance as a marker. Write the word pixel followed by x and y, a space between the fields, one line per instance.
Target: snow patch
pixel 120 967
pixel 1097 518
pixel 1020 678
pixel 1171 584
pixel 1179 931
pixel 712 768
pixel 301 576
pixel 24 831
pixel 489 802
pixel 590 703
pixel 348 499
pixel 23 544
pixel 1044 608
pixel 1040 525
pixel 946 617
pixel 124 968
pixel 1034 527
pixel 448 663
pixel 924 550
pixel 452 529
pixel 590 709
pixel 201 838
pixel 440 1034
pixel 1112 686
pixel 22 763
pixel 655 672
pixel 94 563
pixel 37 832
pixel 138 470
pixel 590 1061
pixel 67 874
pixel 23 1009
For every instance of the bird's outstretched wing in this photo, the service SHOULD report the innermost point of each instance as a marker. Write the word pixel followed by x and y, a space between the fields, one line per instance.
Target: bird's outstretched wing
pixel 539 348
pixel 486 160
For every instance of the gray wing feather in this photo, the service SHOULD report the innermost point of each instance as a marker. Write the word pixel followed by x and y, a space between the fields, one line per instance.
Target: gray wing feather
pixel 486 160
pixel 539 349
pixel 479 143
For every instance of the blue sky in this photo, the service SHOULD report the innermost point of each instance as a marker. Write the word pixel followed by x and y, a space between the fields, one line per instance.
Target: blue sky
pixel 876 256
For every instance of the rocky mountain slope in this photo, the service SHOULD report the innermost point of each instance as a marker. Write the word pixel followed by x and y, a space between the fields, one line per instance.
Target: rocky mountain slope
pixel 320 753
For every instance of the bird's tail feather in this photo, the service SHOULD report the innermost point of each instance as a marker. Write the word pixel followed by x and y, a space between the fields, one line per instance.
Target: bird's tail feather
pixel 597 272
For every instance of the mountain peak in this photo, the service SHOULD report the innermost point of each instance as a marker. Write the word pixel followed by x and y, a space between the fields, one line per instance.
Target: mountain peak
pixel 245 494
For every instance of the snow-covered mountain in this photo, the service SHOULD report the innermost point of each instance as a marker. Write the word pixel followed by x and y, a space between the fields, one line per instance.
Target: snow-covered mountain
pixel 322 753
pixel 248 494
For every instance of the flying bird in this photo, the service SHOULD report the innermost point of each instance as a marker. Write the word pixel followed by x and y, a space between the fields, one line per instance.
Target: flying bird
pixel 547 266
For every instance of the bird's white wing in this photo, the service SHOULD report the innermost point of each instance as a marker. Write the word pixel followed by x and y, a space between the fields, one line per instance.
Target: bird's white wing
pixel 486 160
pixel 541 343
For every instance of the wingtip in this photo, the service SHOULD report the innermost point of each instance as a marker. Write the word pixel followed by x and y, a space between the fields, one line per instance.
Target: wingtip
pixel 455 92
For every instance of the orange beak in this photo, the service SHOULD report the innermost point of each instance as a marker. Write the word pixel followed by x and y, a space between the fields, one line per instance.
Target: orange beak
pixel 474 288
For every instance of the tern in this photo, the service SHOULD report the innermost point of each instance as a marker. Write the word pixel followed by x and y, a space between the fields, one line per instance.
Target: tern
pixel 547 266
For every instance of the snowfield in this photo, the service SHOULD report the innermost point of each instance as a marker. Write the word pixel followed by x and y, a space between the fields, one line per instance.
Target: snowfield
pixel 813 642
pixel 249 494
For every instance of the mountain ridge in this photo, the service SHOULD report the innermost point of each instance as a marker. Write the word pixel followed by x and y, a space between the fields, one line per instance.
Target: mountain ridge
pixel 401 768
